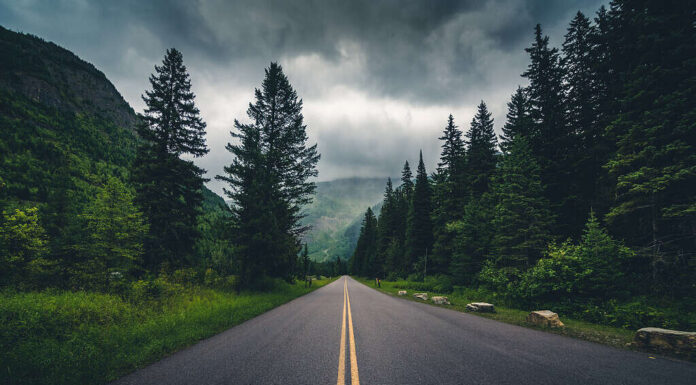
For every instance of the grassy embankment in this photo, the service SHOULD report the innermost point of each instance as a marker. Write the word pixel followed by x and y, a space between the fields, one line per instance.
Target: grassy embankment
pixel 608 335
pixel 58 337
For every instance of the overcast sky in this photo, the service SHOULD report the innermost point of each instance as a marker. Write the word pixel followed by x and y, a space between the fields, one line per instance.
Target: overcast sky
pixel 378 78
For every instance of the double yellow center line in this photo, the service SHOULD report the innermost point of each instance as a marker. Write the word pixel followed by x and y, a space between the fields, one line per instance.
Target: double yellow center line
pixel 354 377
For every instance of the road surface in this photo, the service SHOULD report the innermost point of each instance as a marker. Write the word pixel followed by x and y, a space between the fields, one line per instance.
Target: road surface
pixel 348 333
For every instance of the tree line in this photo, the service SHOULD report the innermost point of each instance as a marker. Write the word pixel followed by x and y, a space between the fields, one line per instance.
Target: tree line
pixel 153 216
pixel 588 192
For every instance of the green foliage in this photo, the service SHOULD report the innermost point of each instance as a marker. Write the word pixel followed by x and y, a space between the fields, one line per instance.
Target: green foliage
pixel 116 229
pixel 269 180
pixel 419 233
pixel 598 267
pixel 57 337
pixel 169 189
pixel 522 220
pixel 23 249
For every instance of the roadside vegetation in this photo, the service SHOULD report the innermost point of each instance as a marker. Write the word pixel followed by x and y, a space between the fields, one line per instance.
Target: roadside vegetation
pixel 68 337
pixel 584 205
pixel 505 311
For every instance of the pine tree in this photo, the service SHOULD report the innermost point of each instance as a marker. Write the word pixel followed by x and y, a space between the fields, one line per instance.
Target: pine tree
pixel 387 228
pixel 361 262
pixel 269 179
pixel 116 229
pixel 168 187
pixel 473 236
pixel 518 119
pixel 522 220
pixel 449 195
pixel 419 234
pixel 655 161
pixel 481 154
pixel 407 182
pixel 551 141
pixel 582 89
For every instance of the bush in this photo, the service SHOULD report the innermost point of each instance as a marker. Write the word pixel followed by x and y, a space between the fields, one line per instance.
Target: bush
pixel 594 269
pixel 156 289
pixel 186 277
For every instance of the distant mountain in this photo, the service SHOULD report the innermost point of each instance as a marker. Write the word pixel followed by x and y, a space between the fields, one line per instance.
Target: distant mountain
pixel 336 213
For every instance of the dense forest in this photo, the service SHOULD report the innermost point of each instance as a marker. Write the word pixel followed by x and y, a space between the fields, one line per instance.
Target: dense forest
pixel 587 201
pixel 96 197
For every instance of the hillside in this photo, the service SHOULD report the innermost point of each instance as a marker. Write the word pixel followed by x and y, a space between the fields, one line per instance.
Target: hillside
pixel 336 213
pixel 60 116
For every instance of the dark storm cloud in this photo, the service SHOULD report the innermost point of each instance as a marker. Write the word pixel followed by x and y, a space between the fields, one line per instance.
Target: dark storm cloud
pixel 366 69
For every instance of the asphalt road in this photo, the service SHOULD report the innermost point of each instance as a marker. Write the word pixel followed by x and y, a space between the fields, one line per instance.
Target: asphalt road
pixel 386 340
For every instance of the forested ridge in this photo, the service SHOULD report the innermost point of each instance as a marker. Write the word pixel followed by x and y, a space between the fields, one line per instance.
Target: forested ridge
pixel 95 196
pixel 586 201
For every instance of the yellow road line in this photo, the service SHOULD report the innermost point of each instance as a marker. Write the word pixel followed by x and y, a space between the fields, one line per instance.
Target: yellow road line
pixel 342 353
pixel 354 377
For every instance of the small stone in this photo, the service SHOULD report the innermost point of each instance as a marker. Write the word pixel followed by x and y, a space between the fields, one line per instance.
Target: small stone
pixel 441 300
pixel 481 307
pixel 402 292
pixel 421 296
pixel 544 318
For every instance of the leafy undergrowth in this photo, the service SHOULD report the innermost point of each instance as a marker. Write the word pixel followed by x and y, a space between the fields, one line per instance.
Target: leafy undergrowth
pixel 55 337
pixel 608 335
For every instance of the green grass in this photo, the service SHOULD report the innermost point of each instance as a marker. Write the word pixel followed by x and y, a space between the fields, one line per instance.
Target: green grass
pixel 607 335
pixel 54 337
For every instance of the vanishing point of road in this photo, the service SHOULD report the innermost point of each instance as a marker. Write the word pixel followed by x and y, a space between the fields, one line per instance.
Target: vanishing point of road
pixel 348 333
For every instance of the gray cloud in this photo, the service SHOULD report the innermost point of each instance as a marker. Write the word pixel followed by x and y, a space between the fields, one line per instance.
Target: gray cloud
pixel 378 77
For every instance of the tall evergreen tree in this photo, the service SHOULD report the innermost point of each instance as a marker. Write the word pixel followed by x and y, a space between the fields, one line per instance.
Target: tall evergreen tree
pixel 655 161
pixel 407 181
pixel 518 119
pixel 449 194
pixel 361 262
pixel 386 230
pixel 168 187
pixel 481 154
pixel 269 179
pixel 419 233
pixel 522 220
pixel 551 141
pixel 583 87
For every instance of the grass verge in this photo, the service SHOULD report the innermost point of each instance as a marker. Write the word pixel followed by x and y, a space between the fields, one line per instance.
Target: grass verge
pixel 55 337
pixel 607 335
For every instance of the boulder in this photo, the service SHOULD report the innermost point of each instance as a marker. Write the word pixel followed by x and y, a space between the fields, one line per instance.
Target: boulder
pixel 545 318
pixel 481 307
pixel 441 300
pixel 422 296
pixel 402 292
pixel 666 341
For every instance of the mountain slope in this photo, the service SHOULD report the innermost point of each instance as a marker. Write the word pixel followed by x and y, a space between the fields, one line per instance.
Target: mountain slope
pixel 337 207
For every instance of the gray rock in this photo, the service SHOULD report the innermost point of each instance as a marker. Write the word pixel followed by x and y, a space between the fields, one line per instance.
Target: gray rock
pixel 441 300
pixel 421 296
pixel 545 318
pixel 481 307
pixel 666 341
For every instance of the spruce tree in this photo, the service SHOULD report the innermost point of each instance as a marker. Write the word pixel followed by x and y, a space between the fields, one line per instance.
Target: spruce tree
pixel 655 161
pixel 407 181
pixel 386 230
pixel 168 187
pixel 449 195
pixel 481 153
pixel 362 261
pixel 551 141
pixel 269 179
pixel 518 119
pixel 582 91
pixel 522 220
pixel 419 233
